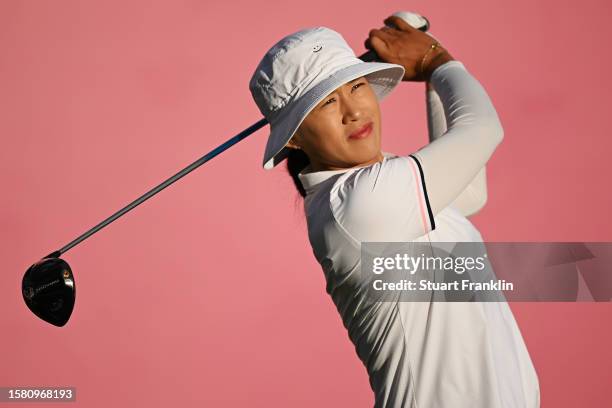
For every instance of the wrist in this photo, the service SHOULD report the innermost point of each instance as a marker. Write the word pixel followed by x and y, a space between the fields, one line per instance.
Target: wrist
pixel 439 59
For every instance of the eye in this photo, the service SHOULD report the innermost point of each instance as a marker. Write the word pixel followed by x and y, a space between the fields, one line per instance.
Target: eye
pixel 328 101
pixel 357 85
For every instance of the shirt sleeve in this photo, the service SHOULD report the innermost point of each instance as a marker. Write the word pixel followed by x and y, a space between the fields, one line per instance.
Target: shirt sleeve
pixel 387 201
pixel 474 196
pixel 453 160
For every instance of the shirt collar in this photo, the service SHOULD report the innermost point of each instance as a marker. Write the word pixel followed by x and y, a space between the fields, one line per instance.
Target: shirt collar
pixel 310 180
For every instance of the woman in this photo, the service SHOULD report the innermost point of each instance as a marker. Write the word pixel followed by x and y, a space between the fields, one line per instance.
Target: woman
pixel 323 107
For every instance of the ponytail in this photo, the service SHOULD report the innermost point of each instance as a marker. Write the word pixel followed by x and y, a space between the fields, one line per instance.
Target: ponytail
pixel 297 160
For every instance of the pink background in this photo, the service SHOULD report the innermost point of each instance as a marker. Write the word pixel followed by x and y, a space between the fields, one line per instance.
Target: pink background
pixel 209 294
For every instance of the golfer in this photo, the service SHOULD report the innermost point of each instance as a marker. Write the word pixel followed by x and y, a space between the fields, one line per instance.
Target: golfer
pixel 322 103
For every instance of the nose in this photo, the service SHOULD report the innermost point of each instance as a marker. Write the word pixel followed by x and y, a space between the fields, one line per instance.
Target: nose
pixel 352 110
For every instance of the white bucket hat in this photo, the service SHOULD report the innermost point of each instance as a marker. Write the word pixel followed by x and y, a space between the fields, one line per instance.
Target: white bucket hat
pixel 299 71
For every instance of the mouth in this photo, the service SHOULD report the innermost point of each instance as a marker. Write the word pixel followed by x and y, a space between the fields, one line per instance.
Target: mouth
pixel 362 132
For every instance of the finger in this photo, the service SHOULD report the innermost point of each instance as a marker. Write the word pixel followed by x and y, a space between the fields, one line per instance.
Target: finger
pixel 380 47
pixel 398 22
pixel 389 30
pixel 384 35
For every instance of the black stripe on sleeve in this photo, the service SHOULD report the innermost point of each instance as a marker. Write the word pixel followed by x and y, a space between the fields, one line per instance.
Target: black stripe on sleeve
pixel 431 217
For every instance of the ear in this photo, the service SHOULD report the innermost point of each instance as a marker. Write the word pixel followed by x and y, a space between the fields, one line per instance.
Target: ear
pixel 293 142
pixel 290 144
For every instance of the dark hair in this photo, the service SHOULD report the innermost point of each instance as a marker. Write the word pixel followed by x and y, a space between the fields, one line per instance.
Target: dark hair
pixel 297 160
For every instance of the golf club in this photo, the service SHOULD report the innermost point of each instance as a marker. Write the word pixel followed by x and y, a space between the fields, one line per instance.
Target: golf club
pixel 48 286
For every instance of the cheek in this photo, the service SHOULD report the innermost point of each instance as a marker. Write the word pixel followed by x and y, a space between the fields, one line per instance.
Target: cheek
pixel 376 117
pixel 374 106
pixel 326 130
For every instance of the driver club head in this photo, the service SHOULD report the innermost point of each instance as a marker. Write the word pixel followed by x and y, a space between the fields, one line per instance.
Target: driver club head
pixel 49 291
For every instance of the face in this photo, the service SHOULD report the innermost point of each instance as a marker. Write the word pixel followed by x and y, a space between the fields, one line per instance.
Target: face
pixel 325 133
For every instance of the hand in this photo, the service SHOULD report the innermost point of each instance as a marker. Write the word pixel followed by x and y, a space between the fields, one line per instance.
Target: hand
pixel 406 46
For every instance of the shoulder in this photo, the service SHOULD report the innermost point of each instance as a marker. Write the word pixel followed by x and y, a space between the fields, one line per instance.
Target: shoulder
pixel 381 202
pixel 368 185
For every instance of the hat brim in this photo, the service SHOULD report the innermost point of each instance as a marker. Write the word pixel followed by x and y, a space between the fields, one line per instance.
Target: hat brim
pixel 382 76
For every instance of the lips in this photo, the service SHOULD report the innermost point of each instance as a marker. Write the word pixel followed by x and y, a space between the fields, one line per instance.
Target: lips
pixel 362 132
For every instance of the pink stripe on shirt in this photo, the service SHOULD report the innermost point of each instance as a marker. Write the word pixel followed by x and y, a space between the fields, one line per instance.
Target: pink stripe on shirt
pixel 419 195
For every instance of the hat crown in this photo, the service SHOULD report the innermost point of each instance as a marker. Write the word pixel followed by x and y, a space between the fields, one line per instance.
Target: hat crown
pixel 295 64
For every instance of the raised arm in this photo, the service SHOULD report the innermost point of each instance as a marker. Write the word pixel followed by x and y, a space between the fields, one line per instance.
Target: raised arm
pixel 454 159
pixel 474 196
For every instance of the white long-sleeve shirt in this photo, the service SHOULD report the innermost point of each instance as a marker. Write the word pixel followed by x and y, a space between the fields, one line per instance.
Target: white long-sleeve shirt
pixel 421 354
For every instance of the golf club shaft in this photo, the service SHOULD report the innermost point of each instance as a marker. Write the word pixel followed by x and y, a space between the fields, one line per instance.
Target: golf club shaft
pixel 251 129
